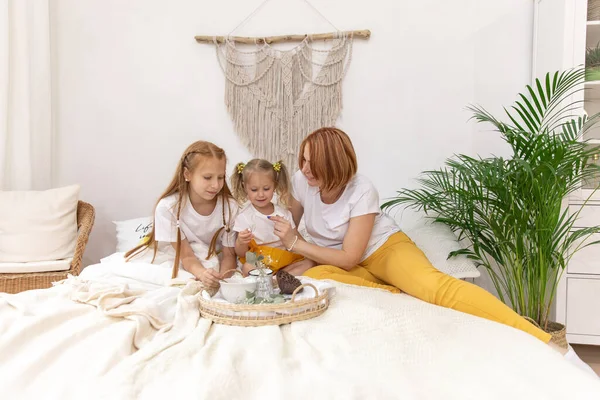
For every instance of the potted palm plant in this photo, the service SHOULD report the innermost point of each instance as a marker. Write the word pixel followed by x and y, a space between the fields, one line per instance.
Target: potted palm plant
pixel 511 210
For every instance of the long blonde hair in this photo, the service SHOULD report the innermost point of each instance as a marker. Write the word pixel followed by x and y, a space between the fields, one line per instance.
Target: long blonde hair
pixel 189 161
pixel 278 172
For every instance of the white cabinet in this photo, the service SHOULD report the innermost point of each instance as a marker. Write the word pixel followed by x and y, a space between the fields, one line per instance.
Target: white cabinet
pixel 583 309
pixel 589 215
pixel 587 259
pixel 562 33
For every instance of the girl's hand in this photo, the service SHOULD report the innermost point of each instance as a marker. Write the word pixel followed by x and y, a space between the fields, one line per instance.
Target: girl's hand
pixel 208 276
pixel 284 231
pixel 246 268
pixel 245 236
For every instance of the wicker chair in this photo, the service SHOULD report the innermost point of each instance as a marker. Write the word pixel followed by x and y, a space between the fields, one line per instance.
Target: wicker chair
pixel 14 283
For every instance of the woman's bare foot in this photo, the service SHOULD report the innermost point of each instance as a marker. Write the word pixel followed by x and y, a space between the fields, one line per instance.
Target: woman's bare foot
pixel 556 347
pixel 300 267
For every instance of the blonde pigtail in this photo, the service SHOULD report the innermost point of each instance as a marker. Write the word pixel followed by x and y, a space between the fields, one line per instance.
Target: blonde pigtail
pixel 283 184
pixel 237 183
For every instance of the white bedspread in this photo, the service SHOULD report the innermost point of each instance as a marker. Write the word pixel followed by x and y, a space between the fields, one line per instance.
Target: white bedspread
pixel 117 332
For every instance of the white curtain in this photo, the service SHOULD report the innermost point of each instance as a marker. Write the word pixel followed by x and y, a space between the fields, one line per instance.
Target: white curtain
pixel 26 143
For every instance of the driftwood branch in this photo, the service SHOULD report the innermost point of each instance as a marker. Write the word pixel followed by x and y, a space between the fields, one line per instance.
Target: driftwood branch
pixel 362 34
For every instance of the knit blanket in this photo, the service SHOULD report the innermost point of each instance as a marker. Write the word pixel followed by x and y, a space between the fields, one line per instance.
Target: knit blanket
pixel 118 331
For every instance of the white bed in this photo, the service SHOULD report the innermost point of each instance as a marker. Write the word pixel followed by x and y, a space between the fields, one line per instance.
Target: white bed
pixel 117 332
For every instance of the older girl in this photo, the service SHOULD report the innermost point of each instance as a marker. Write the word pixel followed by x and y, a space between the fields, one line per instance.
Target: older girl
pixel 196 208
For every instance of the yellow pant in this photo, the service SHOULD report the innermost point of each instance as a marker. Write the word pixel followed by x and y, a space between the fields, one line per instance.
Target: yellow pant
pixel 399 265
pixel 275 258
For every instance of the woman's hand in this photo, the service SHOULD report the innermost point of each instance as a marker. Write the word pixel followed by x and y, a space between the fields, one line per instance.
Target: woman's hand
pixel 284 231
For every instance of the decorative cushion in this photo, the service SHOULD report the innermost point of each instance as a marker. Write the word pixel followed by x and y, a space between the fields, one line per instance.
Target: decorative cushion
pixel 437 240
pixel 38 225
pixel 36 266
pixel 131 232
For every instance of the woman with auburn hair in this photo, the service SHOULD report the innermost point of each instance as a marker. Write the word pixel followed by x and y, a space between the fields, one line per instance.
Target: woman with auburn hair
pixel 356 243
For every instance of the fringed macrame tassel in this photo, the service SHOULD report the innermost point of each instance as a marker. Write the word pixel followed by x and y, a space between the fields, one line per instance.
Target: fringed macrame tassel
pixel 276 98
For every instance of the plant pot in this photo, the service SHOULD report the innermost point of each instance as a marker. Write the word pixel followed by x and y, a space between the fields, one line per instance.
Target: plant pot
pixel 592 74
pixel 559 334
pixel 557 330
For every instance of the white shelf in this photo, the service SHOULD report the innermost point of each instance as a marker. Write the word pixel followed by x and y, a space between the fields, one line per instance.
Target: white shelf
pixel 592 37
pixel 592 90
pixel 592 107
pixel 582 196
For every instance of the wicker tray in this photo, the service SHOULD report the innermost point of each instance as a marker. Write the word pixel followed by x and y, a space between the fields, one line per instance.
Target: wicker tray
pixel 266 314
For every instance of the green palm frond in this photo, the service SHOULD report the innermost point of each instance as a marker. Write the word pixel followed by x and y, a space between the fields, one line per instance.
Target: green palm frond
pixel 511 209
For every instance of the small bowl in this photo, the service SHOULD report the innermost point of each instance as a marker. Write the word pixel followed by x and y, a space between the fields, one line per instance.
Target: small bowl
pixel 234 290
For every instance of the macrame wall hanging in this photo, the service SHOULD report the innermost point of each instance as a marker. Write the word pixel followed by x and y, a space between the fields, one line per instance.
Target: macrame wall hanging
pixel 277 97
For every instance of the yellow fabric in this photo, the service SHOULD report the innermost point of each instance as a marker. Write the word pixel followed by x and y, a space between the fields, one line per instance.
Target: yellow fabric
pixel 399 265
pixel 274 258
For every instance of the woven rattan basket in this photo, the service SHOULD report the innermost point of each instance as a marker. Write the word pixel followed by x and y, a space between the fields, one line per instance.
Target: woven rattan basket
pixel 558 332
pixel 15 283
pixel 266 314
pixel 593 13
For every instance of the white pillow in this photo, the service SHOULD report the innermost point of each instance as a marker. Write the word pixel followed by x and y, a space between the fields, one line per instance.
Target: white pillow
pixel 131 232
pixel 437 240
pixel 35 266
pixel 38 225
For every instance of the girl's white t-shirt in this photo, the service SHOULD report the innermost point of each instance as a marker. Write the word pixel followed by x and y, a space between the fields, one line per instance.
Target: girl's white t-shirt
pixel 327 224
pixel 195 228
pixel 262 227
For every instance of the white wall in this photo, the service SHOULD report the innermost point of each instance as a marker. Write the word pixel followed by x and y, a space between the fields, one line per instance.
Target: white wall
pixel 133 88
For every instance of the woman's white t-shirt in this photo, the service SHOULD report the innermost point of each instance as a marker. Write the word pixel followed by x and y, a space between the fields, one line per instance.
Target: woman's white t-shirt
pixel 261 227
pixel 327 224
pixel 195 228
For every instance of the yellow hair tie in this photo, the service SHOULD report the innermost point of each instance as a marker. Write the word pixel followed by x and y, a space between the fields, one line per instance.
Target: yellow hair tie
pixel 240 168
pixel 277 166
